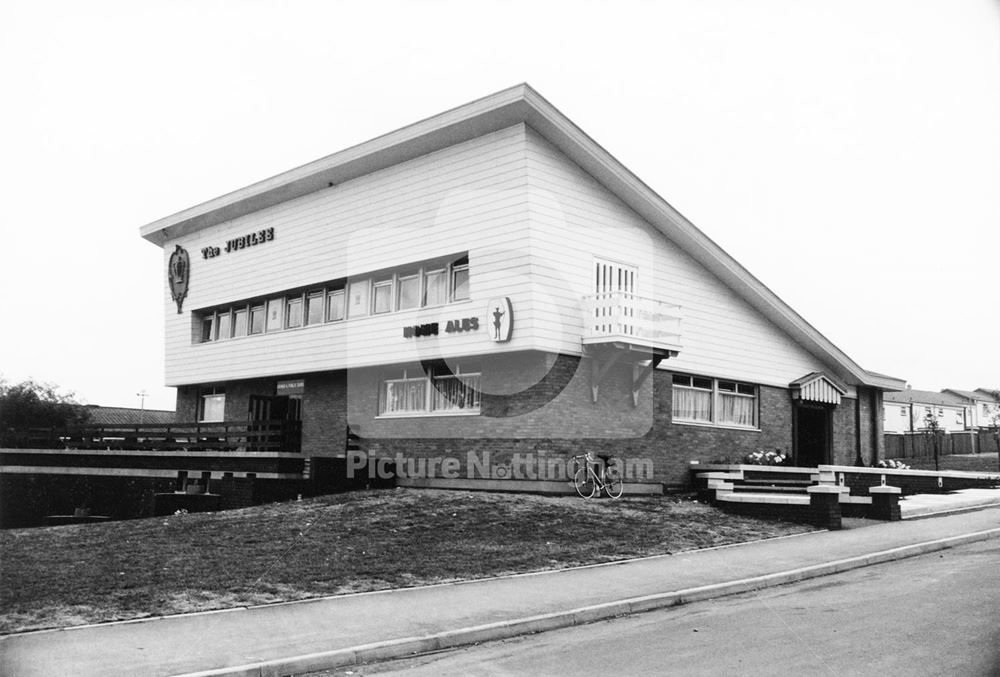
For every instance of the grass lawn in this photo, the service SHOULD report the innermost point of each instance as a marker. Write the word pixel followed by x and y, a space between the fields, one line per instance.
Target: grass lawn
pixel 70 575
pixel 985 462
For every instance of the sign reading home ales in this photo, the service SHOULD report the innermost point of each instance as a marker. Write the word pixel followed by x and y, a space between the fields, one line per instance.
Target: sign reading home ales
pixel 499 322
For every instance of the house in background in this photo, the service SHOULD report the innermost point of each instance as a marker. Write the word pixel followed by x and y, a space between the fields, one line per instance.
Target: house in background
pixel 907 411
pixel 981 403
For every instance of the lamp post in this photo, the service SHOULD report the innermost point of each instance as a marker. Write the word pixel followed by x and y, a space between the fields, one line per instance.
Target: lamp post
pixel 142 404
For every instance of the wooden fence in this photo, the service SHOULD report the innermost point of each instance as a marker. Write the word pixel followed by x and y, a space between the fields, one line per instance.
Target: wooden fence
pixel 272 435
pixel 921 445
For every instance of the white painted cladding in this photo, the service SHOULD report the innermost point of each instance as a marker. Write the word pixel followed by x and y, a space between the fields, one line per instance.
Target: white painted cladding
pixel 469 197
pixel 574 219
pixel 533 223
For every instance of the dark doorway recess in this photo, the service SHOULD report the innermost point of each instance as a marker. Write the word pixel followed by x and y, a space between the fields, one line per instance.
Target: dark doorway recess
pixel 813 435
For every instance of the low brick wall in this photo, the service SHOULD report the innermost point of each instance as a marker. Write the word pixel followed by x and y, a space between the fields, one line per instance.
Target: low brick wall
pixel 820 508
pixel 859 480
pixel 131 484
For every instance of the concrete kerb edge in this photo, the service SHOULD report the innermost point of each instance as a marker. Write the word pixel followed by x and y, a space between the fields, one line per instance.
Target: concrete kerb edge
pixel 409 646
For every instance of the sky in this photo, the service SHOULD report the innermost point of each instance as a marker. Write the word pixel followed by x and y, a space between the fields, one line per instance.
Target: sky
pixel 846 153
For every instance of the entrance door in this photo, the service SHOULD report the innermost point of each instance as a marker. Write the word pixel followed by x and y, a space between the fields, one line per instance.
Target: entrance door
pixel 813 435
pixel 264 428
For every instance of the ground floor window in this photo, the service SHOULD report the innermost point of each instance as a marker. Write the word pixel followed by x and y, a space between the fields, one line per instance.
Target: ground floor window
pixel 212 405
pixel 414 391
pixel 699 399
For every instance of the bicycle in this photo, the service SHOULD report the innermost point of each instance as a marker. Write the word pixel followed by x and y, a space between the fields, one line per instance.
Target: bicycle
pixel 589 482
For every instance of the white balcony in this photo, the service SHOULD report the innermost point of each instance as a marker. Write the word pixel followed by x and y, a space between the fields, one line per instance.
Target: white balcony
pixel 631 322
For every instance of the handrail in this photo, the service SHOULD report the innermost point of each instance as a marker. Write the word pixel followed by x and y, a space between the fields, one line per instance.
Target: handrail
pixel 266 435
pixel 626 316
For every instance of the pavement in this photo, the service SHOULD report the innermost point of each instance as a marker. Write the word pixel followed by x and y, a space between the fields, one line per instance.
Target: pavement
pixel 926 505
pixel 298 637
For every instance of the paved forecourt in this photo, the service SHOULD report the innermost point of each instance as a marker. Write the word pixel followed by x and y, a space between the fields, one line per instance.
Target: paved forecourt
pixel 301 636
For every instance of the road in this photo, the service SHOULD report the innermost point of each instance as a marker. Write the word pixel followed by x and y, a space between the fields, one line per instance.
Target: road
pixel 938 614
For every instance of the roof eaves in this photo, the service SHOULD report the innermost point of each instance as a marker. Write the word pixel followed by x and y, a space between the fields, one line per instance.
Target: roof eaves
pixel 491 113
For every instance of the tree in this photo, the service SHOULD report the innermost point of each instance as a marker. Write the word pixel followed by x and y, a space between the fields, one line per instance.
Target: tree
pixel 31 404
pixel 933 429
pixel 993 411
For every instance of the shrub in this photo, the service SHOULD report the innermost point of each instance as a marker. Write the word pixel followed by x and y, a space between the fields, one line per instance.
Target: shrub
pixel 762 457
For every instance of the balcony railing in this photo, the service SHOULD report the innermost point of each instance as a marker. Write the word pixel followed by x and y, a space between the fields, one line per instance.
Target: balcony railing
pixel 622 317
pixel 272 435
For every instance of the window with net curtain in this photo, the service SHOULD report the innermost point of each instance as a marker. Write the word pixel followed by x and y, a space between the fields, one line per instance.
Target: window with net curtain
pixel 699 399
pixel 412 391
pixel 456 391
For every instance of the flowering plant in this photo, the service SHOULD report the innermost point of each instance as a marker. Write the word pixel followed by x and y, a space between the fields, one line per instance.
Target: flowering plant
pixel 761 457
pixel 895 465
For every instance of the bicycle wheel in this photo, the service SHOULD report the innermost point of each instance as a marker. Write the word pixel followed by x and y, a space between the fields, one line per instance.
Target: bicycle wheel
pixel 613 484
pixel 584 483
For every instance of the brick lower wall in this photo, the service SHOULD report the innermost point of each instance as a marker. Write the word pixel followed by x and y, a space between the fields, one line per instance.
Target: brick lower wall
pixel 540 403
pixel 515 425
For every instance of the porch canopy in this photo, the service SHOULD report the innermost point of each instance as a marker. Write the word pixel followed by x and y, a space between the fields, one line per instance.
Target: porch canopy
pixel 817 387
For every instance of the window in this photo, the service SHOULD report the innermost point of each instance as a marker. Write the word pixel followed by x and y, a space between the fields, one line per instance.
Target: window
pixel 460 279
pixel 737 404
pixel 208 328
pixel 435 287
pixel 335 306
pixel 404 394
pixel 408 295
pixel 455 391
pixel 357 305
pixel 224 326
pixel 699 399
pixel 383 296
pixel 692 398
pixel 274 315
pixel 410 391
pixel 314 307
pixel 213 406
pixel 959 418
pixel 240 322
pixel 257 319
pixel 293 312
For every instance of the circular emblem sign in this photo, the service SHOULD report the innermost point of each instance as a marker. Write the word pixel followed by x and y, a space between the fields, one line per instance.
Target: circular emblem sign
pixel 499 319
pixel 178 272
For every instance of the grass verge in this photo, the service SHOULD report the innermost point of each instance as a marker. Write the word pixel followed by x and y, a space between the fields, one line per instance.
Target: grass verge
pixel 361 541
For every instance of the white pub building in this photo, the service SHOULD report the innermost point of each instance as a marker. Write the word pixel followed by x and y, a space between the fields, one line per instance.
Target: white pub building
pixel 490 283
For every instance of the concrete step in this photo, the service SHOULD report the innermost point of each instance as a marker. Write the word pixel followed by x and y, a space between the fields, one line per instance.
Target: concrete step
pixel 754 488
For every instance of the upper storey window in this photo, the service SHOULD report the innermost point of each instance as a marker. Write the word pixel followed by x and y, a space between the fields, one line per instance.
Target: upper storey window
pixel 429 283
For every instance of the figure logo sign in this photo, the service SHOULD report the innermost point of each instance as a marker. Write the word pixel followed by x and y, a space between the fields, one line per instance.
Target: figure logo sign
pixel 500 319
pixel 178 273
